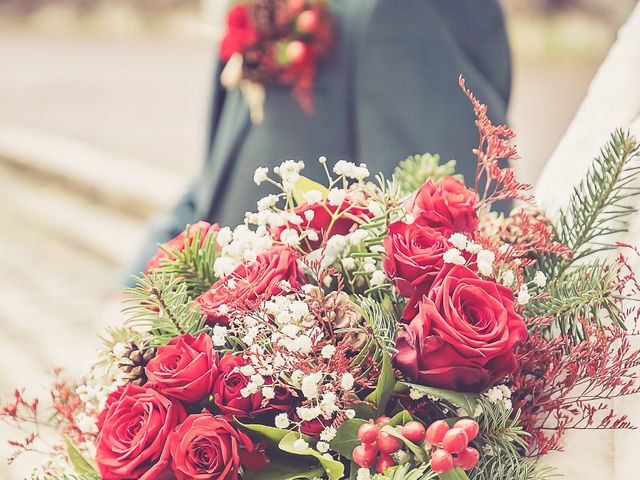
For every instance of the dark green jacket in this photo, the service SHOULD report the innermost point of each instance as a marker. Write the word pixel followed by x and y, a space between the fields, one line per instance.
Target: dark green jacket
pixel 391 90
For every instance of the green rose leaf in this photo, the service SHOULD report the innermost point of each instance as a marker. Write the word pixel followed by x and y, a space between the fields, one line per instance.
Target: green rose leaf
pixel 466 401
pixel 333 468
pixel 346 438
pixel 455 474
pixel 386 384
pixel 80 464
pixel 273 434
pixel 286 467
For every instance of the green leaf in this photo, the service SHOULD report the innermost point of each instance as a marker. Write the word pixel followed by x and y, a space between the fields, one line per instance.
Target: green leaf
pixel 466 401
pixel 304 185
pixel 400 418
pixel 286 467
pixel 455 474
pixel 418 451
pixel 80 465
pixel 333 468
pixel 275 435
pixel 386 383
pixel 346 438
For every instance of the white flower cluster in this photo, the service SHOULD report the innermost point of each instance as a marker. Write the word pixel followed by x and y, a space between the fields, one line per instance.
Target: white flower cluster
pixel 499 394
pixel 351 170
pixel 460 242
pixel 239 245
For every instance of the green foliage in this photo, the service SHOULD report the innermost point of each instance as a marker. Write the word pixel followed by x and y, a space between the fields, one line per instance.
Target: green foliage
pixel 502 445
pixel 194 264
pixel 346 438
pixel 455 474
pixel 407 472
pixel 286 467
pixel 417 169
pixel 304 185
pixel 467 401
pixel 385 386
pixel 80 464
pixel 418 452
pixel 587 291
pixel 160 306
pixel 600 205
pixel 333 468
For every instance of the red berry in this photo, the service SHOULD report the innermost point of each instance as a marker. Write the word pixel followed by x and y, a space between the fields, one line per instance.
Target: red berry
pixel 470 427
pixel 436 431
pixel 382 421
pixel 441 461
pixel 368 432
pixel 413 431
pixel 387 443
pixel 297 5
pixel 307 21
pixel 364 455
pixel 455 440
pixel 467 458
pixel 296 51
pixel 384 462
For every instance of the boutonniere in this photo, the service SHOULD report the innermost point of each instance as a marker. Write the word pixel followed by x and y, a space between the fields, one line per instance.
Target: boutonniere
pixel 275 42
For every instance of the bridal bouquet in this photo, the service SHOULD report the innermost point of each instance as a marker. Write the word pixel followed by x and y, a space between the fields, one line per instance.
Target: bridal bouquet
pixel 388 329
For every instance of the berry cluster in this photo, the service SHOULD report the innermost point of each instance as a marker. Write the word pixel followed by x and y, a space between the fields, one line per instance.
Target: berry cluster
pixel 447 442
pixel 377 446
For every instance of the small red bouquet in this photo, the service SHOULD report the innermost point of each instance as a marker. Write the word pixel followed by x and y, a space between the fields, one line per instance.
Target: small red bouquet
pixel 387 330
pixel 276 42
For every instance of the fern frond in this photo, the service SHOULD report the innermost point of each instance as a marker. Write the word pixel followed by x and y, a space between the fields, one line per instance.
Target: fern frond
pixel 600 205
pixel 193 264
pixel 417 169
pixel 161 308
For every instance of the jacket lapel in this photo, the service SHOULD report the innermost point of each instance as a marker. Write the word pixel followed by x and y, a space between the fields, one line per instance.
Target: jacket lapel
pixel 233 126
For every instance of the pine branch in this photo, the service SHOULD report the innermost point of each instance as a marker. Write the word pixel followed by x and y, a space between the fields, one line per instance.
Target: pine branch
pixel 162 308
pixel 194 264
pixel 585 292
pixel 600 205
pixel 417 169
pixel 503 447
pixel 407 472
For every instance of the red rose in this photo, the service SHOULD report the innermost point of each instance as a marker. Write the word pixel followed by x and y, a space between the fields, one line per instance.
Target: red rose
pixel 134 427
pixel 413 256
pixel 185 369
pixel 464 334
pixel 351 215
pixel 177 244
pixel 250 281
pixel 446 205
pixel 227 391
pixel 208 447
pixel 240 34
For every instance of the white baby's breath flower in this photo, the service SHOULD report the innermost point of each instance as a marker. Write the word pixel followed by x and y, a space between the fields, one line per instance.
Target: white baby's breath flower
pixel 415 394
pixel 300 445
pixel 486 256
pixel 506 391
pixel 336 196
pixel 347 381
pixel 363 474
pixel 290 236
pixel 299 309
pixel 328 434
pixel 290 330
pixel 312 235
pixel 458 240
pixel 375 209
pixel 309 215
pixel 322 159
pixel 322 447
pixel 454 256
pixel 247 370
pixel 473 248
pixel 328 351
pixel 508 278
pixel 369 267
pixel 540 279
pixel 312 196
pixel 342 167
pixel 494 395
pixel 348 263
pixel 523 295
pixel 224 266
pixel 260 175
pixel 485 268
pixel 310 384
pixel 377 278
pixel 350 413
pixel 282 421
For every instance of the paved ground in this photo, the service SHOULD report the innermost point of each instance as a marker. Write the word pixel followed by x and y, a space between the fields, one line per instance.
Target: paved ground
pixel 144 97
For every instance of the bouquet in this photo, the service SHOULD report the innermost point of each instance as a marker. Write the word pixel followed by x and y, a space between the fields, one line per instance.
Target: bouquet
pixel 387 329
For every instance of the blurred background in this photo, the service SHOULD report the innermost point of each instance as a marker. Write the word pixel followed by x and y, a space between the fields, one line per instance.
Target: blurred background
pixel 103 108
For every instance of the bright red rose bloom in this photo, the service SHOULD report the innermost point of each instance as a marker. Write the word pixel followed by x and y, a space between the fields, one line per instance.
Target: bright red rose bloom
pixel 228 387
pixel 413 256
pixel 134 427
pixel 177 243
pixel 252 280
pixel 208 447
pixel 349 214
pixel 446 205
pixel 185 369
pixel 464 334
pixel 240 34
